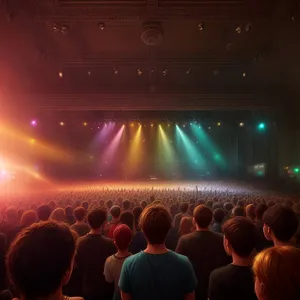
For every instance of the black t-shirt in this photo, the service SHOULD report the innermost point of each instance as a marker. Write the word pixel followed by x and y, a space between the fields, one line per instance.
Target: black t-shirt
pixel 206 252
pixel 92 252
pixel 231 282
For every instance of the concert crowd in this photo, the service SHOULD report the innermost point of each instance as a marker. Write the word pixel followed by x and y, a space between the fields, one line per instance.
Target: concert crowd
pixel 151 244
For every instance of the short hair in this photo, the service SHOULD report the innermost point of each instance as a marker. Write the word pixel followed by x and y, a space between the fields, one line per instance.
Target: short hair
pixel 39 258
pixel 238 211
pixel 115 211
pixel 79 213
pixel 11 213
pixel 127 218
pixel 241 235
pixel 126 204
pixel 28 218
pixel 282 221
pixel 69 211
pixel 44 212
pixel 137 213
pixel 155 222
pixel 58 215
pixel 122 236
pixel 278 269
pixel 184 207
pixel 144 204
pixel 85 205
pixel 260 210
pixel 228 206
pixel 203 216
pixel 218 215
pixel 186 225
pixel 250 211
pixel 96 217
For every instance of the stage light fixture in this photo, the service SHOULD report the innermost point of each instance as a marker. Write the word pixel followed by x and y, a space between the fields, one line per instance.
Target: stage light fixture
pixel 132 125
pixel 33 123
pixel 169 125
pixel 209 128
pixel 238 30
pixel 188 71
pixel 139 72
pixel 61 74
pixel 261 126
pixel 219 124
pixel 116 71
pixel 101 26
pixel 183 125
pixel 89 73
pixel 152 125
pixel 296 170
pixel 242 124
pixel 244 74
pixel 61 123
pixel 201 26
pixel 85 124
pixel 164 72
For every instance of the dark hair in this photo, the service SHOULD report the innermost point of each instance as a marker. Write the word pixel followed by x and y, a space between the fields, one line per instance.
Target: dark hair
pixel 241 203
pixel 96 217
pixel 282 221
pixel 241 235
pixel 203 216
pixel 79 213
pixel 184 207
pixel 238 211
pixel 218 215
pixel 39 258
pixel 43 212
pixel 126 204
pixel 137 213
pixel 85 205
pixel 69 211
pixel 260 210
pixel 127 218
pixel 155 222
pixel 115 211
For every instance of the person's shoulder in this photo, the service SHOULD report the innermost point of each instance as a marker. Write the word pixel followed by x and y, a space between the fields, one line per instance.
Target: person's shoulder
pixel 189 236
pixel 220 272
pixel 107 240
pixel 179 257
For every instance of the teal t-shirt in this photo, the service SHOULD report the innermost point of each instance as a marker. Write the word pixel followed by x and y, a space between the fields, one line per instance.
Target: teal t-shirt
pixel 157 276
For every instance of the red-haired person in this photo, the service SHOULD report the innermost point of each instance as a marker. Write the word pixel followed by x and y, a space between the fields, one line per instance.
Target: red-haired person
pixel 277 275
pixel 122 236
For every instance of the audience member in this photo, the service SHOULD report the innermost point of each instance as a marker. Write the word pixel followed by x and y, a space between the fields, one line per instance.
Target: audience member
pixel 43 212
pixel 40 261
pixel 238 211
pixel 92 252
pixel 280 224
pixel 250 212
pixel 184 212
pixel 127 218
pixel 218 217
pixel 204 249
pixel 235 281
pixel 115 212
pixel 157 273
pixel 277 275
pixel 186 226
pixel 139 241
pixel 126 205
pixel 122 236
pixel 58 215
pixel 69 215
pixel 80 227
